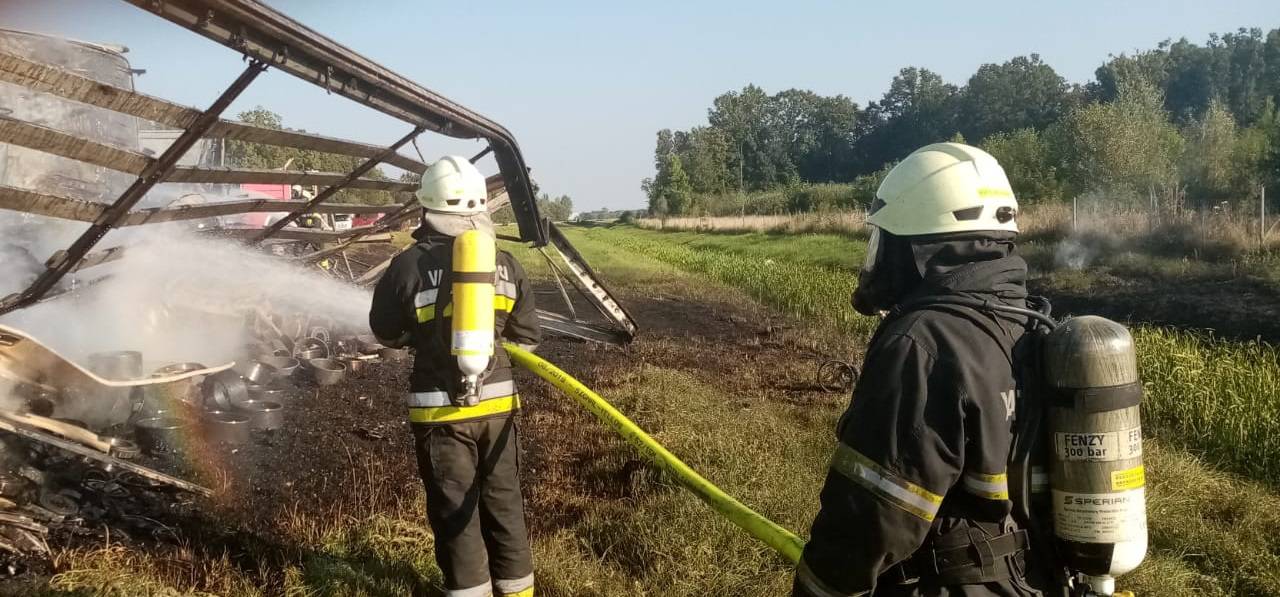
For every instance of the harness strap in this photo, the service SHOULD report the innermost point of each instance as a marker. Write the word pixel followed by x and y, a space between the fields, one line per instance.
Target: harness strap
pixel 980 561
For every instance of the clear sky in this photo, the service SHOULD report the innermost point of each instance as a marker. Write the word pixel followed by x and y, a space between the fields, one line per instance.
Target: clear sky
pixel 584 85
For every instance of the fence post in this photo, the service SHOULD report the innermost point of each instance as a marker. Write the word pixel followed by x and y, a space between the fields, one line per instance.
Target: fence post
pixel 1073 214
pixel 1262 220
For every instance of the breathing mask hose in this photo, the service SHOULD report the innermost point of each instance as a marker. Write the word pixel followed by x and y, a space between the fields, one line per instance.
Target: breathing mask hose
pixel 779 539
pixel 987 305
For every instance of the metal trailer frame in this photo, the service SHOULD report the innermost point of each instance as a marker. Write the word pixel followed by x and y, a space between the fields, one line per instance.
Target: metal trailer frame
pixel 267 38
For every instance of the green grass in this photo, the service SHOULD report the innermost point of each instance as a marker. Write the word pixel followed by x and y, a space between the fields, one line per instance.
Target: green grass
pixel 772 269
pixel 1218 397
pixel 825 250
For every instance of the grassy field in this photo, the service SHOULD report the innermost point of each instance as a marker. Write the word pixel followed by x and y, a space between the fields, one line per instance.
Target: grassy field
pixel 606 524
pixel 1212 405
pixel 1217 397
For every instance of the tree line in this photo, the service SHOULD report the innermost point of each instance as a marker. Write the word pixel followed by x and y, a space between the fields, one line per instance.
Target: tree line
pixel 1193 122
pixel 559 209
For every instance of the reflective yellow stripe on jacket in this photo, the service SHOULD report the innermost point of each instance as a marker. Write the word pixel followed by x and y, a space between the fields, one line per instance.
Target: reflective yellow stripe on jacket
pixel 884 484
pixel 987 486
pixel 451 414
pixel 501 303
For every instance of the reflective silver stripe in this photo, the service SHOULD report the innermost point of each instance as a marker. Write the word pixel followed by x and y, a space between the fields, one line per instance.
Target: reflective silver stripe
pixel 507 289
pixel 500 389
pixel 428 399
pixel 437 398
pixel 515 585
pixel 885 484
pixel 991 487
pixel 814 585
pixel 426 297
pixel 483 590
pixel 1039 480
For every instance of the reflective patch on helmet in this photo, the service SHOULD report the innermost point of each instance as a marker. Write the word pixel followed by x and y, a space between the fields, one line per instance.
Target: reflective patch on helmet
pixel 994 192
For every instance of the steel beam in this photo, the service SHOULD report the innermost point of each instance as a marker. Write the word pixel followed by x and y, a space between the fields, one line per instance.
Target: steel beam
pixel 49 79
pixel 286 177
pixel 65 208
pixel 41 204
pixel 346 181
pixel 258 31
pixel 238 131
pixel 590 282
pixel 154 174
pixel 41 138
pixel 299 234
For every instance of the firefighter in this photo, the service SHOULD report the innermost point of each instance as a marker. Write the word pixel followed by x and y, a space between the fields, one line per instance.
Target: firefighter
pixel 916 499
pixel 467 455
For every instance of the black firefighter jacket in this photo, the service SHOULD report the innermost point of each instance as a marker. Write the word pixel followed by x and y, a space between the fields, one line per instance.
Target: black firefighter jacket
pixel 415 296
pixel 924 445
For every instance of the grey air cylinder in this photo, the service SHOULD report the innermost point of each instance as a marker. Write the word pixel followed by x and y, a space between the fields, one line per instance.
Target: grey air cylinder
pixel 1095 435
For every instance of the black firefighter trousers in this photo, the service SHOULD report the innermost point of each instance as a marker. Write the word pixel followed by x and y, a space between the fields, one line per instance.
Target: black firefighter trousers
pixel 474 505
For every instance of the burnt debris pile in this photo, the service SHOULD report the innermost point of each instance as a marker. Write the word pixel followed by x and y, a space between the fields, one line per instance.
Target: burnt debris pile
pixel 81 461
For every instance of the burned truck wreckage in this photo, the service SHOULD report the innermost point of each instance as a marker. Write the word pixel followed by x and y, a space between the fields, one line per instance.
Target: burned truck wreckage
pixel 98 424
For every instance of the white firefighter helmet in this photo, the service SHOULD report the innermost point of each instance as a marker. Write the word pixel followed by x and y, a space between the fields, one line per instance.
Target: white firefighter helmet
pixel 453 185
pixel 945 188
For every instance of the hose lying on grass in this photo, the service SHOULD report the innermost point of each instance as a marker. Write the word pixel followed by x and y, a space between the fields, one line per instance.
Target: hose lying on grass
pixel 779 539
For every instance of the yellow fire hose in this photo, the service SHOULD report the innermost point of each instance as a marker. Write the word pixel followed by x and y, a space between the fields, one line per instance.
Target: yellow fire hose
pixel 781 540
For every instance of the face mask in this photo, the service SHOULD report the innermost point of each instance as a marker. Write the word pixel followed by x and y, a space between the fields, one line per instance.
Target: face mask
pixel 871 287
pixel 876 289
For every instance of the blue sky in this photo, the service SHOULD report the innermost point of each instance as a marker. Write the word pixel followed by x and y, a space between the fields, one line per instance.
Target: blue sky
pixel 585 85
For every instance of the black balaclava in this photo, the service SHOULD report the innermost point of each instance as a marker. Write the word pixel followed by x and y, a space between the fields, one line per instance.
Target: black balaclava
pixel 905 263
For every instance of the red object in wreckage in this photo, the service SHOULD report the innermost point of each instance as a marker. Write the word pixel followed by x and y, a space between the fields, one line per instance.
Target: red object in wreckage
pixel 274 191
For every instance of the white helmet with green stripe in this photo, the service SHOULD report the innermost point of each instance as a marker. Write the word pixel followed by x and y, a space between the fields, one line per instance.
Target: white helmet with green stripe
pixel 945 188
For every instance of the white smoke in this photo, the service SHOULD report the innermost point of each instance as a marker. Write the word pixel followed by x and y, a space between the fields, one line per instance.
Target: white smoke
pixel 178 297
pixel 1072 253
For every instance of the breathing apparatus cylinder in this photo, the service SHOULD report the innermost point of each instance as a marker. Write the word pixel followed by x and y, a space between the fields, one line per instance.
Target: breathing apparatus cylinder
pixel 1095 467
pixel 474 271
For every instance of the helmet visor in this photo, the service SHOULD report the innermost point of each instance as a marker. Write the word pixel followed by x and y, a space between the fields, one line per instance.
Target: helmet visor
pixel 873 250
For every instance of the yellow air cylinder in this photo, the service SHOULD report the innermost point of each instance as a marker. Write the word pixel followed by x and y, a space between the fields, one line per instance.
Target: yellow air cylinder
pixel 474 267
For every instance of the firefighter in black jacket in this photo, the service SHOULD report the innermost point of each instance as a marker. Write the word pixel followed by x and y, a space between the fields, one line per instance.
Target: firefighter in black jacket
pixel 917 500
pixel 467 455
